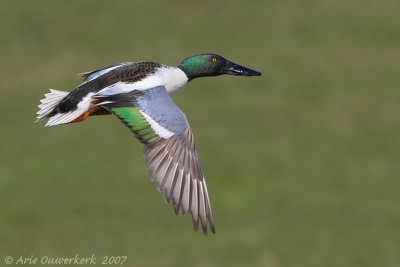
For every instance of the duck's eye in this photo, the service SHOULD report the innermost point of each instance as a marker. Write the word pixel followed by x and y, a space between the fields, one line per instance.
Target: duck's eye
pixel 214 59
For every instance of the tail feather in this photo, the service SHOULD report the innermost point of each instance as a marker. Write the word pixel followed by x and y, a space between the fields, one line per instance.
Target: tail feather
pixel 49 103
pixel 62 118
pixel 52 99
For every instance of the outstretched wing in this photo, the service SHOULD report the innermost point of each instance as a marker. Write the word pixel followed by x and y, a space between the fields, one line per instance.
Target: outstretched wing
pixel 169 149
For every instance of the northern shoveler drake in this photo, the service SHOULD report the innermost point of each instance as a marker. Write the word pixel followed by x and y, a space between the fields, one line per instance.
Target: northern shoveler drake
pixel 138 94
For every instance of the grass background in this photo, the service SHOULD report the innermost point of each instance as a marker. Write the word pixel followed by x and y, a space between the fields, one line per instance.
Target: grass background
pixel 302 164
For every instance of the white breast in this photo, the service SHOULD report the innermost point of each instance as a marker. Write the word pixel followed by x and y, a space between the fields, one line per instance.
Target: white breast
pixel 173 78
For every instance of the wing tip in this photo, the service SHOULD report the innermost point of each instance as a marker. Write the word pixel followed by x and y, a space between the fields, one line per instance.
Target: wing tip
pixel 183 185
pixel 207 226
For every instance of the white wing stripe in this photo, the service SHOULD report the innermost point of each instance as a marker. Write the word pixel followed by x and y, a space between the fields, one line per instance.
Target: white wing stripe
pixel 158 129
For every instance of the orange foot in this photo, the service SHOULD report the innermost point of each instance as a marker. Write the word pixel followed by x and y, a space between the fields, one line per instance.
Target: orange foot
pixel 81 117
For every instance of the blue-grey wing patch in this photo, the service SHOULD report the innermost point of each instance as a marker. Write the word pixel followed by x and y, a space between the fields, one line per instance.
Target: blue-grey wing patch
pixel 154 103
pixel 159 106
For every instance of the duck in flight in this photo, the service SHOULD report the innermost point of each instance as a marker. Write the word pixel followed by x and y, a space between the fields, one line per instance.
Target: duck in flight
pixel 137 93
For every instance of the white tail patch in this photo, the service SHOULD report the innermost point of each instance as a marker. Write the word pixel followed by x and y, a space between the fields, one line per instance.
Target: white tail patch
pixel 49 102
pixel 52 99
pixel 62 118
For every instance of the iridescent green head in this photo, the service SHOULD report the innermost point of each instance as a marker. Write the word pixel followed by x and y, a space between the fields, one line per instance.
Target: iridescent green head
pixel 213 65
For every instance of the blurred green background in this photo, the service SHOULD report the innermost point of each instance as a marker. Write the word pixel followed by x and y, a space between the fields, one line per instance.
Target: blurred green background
pixel 302 164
